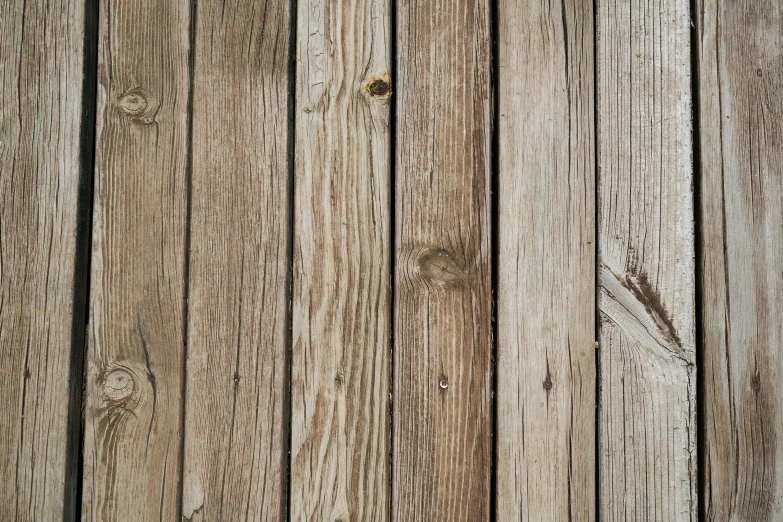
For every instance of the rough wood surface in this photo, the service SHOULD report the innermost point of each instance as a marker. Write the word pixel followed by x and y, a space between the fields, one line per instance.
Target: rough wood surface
pixel 341 293
pixel 442 435
pixel 646 262
pixel 235 431
pixel 546 358
pixel 135 360
pixel 41 67
pixel 740 59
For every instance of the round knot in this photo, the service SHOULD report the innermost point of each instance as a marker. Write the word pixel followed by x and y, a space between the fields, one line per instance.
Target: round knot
pixel 118 386
pixel 379 87
pixel 134 102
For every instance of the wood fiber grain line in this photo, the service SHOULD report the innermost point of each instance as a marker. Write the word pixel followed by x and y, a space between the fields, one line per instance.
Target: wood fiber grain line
pixel 646 262
pixel 442 433
pixel 237 371
pixel 341 293
pixel 41 67
pixel 133 411
pixel 740 64
pixel 546 361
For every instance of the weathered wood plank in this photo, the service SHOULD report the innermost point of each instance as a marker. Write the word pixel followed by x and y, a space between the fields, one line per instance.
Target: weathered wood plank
pixel 135 360
pixel 646 262
pixel 740 61
pixel 41 66
pixel 341 295
pixel 235 431
pixel 442 436
pixel 546 359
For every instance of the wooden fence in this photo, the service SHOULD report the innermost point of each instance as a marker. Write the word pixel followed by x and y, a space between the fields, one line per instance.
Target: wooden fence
pixel 413 260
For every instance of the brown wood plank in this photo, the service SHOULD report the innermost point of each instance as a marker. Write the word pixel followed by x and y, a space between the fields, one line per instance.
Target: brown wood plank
pixel 134 370
pixel 646 262
pixel 740 61
pixel 546 359
pixel 442 434
pixel 341 296
pixel 235 434
pixel 41 59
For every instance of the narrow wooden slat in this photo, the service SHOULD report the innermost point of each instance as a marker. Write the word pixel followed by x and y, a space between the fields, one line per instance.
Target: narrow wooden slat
pixel 442 436
pixel 740 60
pixel 546 282
pixel 134 367
pixel 41 66
pixel 236 363
pixel 341 295
pixel 646 262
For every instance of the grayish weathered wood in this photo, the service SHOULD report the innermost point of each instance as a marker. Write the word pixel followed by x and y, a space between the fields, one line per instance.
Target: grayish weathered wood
pixel 235 431
pixel 646 262
pixel 133 413
pixel 341 296
pixel 740 58
pixel 41 69
pixel 546 282
pixel 442 437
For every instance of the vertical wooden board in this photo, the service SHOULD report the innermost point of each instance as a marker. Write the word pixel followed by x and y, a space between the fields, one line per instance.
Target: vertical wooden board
pixel 442 435
pixel 740 60
pixel 546 282
pixel 236 362
pixel 41 66
pixel 133 413
pixel 646 255
pixel 341 296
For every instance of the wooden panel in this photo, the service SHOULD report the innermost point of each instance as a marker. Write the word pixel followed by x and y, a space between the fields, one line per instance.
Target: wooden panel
pixel 341 296
pixel 646 256
pixel 546 283
pixel 442 436
pixel 41 59
pixel 135 360
pixel 740 55
pixel 235 431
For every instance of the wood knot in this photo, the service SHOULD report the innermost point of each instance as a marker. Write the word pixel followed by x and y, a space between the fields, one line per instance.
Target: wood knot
pixel 548 383
pixel 379 87
pixel 441 267
pixel 755 383
pixel 118 386
pixel 138 105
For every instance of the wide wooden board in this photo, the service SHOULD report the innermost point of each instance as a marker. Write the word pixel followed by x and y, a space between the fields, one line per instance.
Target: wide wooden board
pixel 646 262
pixel 546 358
pixel 341 293
pixel 237 371
pixel 442 416
pixel 740 94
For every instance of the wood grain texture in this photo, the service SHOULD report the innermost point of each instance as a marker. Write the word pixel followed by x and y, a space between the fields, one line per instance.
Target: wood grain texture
pixel 41 65
pixel 442 435
pixel 235 432
pixel 546 359
pixel 341 293
pixel 133 413
pixel 646 262
pixel 740 61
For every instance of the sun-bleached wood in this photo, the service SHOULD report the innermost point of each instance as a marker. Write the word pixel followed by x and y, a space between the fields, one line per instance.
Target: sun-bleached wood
pixel 235 430
pixel 41 66
pixel 341 294
pixel 132 435
pixel 442 435
pixel 546 359
pixel 646 262
pixel 740 93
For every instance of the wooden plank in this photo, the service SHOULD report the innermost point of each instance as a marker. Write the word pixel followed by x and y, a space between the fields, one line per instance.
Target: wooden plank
pixel 341 296
pixel 135 361
pixel 740 61
pixel 41 59
pixel 646 262
pixel 546 360
pixel 235 432
pixel 442 434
